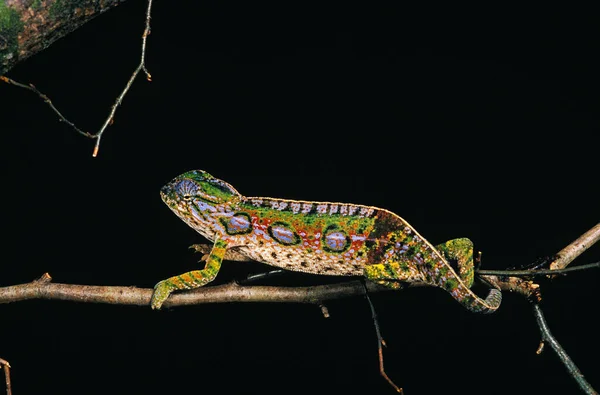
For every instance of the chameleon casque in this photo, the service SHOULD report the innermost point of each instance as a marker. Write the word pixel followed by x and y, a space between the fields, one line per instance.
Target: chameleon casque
pixel 315 237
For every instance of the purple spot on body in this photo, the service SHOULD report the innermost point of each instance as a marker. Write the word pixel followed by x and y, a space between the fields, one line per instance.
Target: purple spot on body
pixel 336 241
pixel 284 234
pixel 239 222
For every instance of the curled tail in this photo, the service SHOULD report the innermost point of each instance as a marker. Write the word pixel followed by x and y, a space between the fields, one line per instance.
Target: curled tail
pixel 465 296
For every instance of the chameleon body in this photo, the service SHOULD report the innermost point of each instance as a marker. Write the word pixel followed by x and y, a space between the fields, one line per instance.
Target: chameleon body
pixel 315 237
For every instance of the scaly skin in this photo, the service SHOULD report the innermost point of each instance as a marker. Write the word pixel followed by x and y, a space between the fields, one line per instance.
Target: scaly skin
pixel 315 237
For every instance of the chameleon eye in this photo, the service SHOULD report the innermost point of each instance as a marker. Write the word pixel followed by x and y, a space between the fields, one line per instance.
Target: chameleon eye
pixel 186 189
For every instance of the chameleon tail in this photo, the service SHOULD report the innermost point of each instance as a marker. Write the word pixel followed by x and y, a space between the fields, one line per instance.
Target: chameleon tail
pixel 470 300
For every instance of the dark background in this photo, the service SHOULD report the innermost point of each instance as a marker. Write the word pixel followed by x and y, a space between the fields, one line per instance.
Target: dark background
pixel 476 123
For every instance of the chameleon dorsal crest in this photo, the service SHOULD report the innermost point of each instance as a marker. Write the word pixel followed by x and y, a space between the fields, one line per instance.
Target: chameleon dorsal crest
pixel 338 239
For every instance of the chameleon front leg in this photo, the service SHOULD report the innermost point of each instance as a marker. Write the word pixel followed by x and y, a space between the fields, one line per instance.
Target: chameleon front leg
pixel 193 279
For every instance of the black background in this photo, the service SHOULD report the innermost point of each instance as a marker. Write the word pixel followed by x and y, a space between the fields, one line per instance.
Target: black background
pixel 469 122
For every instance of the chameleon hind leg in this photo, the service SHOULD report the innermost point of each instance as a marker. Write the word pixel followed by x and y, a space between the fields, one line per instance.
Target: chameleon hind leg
pixel 193 279
pixel 461 252
pixel 392 274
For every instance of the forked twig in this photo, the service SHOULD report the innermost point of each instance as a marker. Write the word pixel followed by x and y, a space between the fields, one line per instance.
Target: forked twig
pixel 141 66
pixel 109 120
pixel 6 367
pixel 559 265
pixel 562 354
pixel 380 343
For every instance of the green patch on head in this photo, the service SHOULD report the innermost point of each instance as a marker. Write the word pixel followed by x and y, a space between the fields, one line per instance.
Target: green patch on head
pixel 209 187
pixel 197 175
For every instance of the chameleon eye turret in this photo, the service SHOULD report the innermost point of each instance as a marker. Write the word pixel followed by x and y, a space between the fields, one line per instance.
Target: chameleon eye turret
pixel 199 184
pixel 339 239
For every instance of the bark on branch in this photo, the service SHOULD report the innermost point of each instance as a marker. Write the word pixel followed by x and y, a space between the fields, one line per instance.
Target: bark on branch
pixel 29 26
pixel 43 288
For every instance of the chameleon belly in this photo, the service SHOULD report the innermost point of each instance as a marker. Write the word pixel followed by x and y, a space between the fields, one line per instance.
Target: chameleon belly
pixel 315 237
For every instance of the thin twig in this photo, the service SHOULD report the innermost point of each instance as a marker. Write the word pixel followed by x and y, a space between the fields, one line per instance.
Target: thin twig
pixel 324 310
pixel 47 100
pixel 6 367
pixel 536 272
pixel 380 342
pixel 562 354
pixel 141 66
pixel 262 276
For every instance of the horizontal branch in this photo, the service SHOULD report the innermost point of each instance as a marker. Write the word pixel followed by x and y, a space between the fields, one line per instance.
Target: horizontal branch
pixel 43 288
pixel 232 292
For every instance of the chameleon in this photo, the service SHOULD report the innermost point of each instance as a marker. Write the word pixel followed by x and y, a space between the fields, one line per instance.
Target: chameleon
pixel 323 238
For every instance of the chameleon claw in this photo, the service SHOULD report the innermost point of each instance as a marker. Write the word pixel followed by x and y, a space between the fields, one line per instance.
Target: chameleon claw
pixel 202 248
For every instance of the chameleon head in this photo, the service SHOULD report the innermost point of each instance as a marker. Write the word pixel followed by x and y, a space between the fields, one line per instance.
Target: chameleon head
pixel 199 199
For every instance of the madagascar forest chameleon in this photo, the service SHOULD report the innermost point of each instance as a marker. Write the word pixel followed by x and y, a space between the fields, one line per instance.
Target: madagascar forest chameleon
pixel 315 237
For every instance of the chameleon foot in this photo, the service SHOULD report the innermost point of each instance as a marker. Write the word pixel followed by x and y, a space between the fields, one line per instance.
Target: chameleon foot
pixel 162 290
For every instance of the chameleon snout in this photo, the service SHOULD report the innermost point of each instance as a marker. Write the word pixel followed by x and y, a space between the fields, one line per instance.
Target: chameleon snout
pixel 166 193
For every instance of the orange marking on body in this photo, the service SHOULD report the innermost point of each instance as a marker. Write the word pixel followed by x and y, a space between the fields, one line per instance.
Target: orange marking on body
pixel 187 278
pixel 176 281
